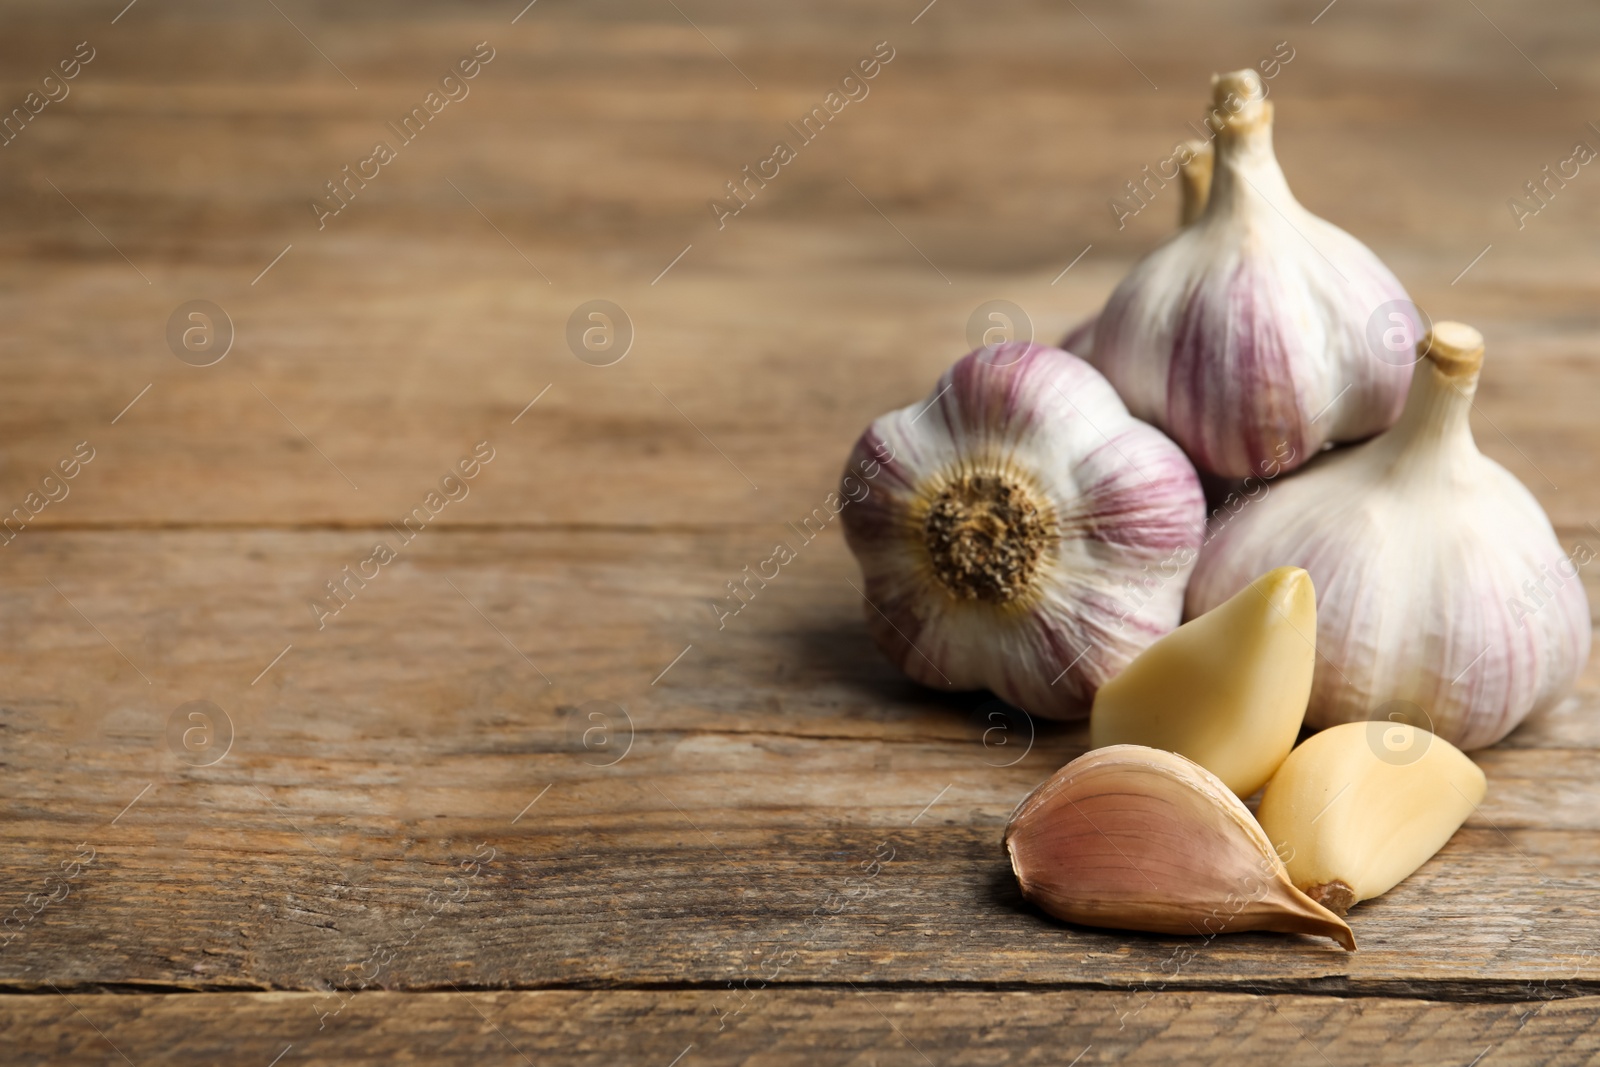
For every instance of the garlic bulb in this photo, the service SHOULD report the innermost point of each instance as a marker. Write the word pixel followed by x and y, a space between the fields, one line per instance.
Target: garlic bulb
pixel 1194 169
pixel 1141 839
pixel 1245 333
pixel 1357 808
pixel 1444 596
pixel 1228 689
pixel 1016 508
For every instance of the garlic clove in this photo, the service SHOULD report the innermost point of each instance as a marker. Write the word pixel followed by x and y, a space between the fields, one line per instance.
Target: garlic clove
pixel 1359 807
pixel 1228 689
pixel 1194 169
pixel 1444 597
pixel 1013 513
pixel 1141 839
pixel 1244 335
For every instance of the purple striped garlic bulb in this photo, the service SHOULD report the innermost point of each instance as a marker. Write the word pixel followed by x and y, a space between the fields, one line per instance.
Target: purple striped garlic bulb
pixel 1444 599
pixel 1026 534
pixel 1245 335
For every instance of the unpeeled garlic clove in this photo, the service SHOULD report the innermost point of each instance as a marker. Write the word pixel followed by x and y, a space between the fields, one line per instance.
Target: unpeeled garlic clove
pixel 1228 689
pixel 1014 510
pixel 1359 807
pixel 1244 335
pixel 1443 594
pixel 1136 838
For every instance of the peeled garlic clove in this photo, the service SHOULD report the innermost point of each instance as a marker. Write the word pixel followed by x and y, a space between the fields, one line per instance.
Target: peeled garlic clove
pixel 1228 689
pixel 1014 511
pixel 1444 597
pixel 1244 336
pixel 1359 807
pixel 1194 169
pixel 1140 839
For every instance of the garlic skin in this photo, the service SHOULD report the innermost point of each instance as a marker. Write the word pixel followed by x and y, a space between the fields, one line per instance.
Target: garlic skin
pixel 1228 689
pixel 1015 509
pixel 1246 331
pixel 1428 558
pixel 1357 808
pixel 1140 839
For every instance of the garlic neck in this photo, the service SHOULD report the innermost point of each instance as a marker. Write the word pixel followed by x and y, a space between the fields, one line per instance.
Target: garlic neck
pixel 1436 420
pixel 1436 413
pixel 1196 174
pixel 1246 169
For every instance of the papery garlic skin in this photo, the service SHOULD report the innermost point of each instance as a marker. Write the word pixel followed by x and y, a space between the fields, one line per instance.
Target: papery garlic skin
pixel 1359 807
pixel 1025 535
pixel 1424 552
pixel 1245 333
pixel 1141 839
pixel 1227 690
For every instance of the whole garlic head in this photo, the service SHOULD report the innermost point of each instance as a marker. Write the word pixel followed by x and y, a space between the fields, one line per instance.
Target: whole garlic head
pixel 1026 534
pixel 1246 331
pixel 1444 598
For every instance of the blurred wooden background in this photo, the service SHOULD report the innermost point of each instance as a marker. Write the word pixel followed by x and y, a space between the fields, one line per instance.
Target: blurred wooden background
pixel 521 800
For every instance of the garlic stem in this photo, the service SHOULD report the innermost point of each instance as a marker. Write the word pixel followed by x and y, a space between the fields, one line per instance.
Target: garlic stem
pixel 1196 175
pixel 1242 119
pixel 1436 420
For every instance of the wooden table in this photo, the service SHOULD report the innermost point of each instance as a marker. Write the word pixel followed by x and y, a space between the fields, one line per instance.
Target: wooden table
pixel 521 799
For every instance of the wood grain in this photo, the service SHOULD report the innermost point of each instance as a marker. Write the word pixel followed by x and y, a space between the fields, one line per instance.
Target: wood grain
pixel 523 798
pixel 409 329
pixel 802 1027
pixel 764 770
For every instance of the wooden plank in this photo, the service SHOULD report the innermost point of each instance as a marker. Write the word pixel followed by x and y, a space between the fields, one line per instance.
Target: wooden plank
pixel 408 329
pixel 802 1027
pixel 526 760
pixel 767 768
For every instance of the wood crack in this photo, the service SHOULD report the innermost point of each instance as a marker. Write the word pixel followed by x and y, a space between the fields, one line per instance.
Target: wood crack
pixel 1487 991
